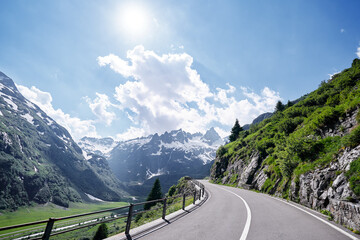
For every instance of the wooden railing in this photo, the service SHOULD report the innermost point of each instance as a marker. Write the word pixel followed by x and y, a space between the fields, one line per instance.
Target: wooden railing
pixel 127 212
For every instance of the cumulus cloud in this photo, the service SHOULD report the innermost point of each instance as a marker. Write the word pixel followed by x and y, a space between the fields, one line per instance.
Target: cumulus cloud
pixel 77 127
pixel 131 133
pixel 358 52
pixel 164 92
pixel 99 106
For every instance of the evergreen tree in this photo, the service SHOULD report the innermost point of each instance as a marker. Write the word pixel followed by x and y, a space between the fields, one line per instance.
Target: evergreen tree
pixel 289 104
pixel 279 106
pixel 235 131
pixel 154 194
pixel 101 233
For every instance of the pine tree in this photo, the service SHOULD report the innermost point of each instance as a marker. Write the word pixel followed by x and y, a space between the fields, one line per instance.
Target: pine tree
pixel 101 233
pixel 279 106
pixel 235 131
pixel 154 194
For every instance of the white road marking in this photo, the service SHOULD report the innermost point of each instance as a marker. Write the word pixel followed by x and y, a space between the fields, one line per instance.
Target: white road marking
pixel 331 225
pixel 248 213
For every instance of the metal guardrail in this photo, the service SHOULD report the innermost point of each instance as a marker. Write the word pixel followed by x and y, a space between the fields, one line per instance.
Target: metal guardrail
pixel 49 231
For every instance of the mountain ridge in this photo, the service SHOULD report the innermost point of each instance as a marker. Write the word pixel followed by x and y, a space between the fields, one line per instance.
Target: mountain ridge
pixel 168 156
pixel 39 161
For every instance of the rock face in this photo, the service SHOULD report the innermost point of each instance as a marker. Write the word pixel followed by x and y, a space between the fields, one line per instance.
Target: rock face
pixel 325 188
pixel 39 161
pixel 329 189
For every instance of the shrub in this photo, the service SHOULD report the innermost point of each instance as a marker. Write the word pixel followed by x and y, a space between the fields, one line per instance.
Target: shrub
pixel 354 176
pixel 102 232
pixel 221 151
pixel 172 190
pixel 353 139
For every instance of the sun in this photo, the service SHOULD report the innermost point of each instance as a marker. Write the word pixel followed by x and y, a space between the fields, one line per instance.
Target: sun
pixel 134 19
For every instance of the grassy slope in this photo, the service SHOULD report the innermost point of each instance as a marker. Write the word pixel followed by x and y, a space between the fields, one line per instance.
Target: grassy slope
pixel 38 212
pixel 291 140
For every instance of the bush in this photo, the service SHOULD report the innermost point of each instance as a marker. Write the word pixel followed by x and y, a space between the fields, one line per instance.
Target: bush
pixel 354 176
pixel 172 190
pixel 221 151
pixel 353 139
pixel 102 232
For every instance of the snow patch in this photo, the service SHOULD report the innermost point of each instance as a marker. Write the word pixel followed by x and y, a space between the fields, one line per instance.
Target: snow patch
pixel 11 103
pixel 35 169
pixel 28 117
pixel 1 114
pixel 158 153
pixel 30 104
pixel 6 138
pixel 159 172
pixel 94 198
pixel 86 156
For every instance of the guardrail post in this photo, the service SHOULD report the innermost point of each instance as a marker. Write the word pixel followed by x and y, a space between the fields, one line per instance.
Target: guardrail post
pixel 184 196
pixel 203 192
pixel 194 197
pixel 164 209
pixel 199 194
pixel 128 222
pixel 48 229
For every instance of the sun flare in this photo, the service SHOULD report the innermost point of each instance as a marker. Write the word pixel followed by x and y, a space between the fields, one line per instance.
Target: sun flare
pixel 134 19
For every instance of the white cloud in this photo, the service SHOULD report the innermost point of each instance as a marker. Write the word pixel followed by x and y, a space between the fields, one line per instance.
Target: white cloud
pixel 342 30
pixel 164 92
pixel 131 133
pixel 99 107
pixel 358 52
pixel 77 127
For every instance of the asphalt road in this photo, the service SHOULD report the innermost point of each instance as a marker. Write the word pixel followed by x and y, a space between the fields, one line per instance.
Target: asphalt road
pixel 232 213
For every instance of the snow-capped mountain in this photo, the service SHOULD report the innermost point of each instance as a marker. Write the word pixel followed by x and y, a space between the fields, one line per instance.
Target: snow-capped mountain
pixel 99 146
pixel 168 156
pixel 39 160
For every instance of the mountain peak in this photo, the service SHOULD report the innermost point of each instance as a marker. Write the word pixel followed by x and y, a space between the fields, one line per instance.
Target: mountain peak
pixel 9 83
pixel 211 136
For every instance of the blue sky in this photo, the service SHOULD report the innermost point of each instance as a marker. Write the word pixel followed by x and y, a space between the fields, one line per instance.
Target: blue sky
pixel 131 68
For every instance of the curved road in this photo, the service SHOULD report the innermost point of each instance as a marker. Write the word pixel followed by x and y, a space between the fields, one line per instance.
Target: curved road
pixel 233 213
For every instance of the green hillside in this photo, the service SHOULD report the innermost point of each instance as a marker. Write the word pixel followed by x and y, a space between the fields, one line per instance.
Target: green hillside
pixel 299 139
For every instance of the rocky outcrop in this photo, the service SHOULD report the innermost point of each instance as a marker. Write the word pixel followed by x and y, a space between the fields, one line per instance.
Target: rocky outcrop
pixel 325 188
pixel 329 189
pixel 341 127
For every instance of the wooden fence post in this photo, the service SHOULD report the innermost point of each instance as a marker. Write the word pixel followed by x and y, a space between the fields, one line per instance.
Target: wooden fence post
pixel 128 222
pixel 48 229
pixel 164 209
pixel 184 198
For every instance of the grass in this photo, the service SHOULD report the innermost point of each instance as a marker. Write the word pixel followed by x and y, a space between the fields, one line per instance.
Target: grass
pixel 156 211
pixel 40 212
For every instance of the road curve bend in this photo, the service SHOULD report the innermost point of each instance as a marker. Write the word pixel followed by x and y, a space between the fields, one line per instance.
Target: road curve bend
pixel 233 213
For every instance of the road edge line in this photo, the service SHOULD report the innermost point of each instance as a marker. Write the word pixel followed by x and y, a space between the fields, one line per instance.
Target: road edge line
pixel 248 219
pixel 331 225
